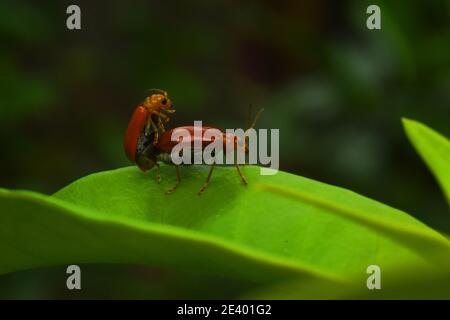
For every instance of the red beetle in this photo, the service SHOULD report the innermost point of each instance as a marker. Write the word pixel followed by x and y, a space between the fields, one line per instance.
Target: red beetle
pixel 165 145
pixel 147 154
pixel 146 121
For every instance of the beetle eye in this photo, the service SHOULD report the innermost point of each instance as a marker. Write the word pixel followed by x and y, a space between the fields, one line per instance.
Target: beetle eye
pixel 164 101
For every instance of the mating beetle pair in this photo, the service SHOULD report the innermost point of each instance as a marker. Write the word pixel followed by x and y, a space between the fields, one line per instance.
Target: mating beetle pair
pixel 147 142
pixel 147 121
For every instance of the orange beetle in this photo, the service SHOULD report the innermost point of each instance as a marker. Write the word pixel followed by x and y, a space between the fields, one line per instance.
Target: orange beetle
pixel 146 121
pixel 147 154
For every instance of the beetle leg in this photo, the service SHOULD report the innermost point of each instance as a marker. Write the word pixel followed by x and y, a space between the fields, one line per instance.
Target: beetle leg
pixel 158 174
pixel 160 115
pixel 150 128
pixel 177 168
pixel 164 117
pixel 203 188
pixel 160 125
pixel 150 125
pixel 155 138
pixel 244 180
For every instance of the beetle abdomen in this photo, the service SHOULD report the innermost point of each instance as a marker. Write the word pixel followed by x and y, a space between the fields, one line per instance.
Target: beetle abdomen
pixel 134 131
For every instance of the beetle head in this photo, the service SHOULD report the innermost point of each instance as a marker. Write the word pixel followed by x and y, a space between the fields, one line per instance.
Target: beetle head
pixel 159 100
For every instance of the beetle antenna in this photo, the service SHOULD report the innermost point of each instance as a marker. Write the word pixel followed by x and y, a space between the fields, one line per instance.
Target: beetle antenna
pixel 258 114
pixel 246 137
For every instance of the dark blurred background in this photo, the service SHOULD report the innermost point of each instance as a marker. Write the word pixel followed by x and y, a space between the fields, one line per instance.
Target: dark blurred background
pixel 335 89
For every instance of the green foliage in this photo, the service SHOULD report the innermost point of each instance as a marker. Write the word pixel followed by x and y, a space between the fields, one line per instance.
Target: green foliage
pixel 279 229
pixel 434 149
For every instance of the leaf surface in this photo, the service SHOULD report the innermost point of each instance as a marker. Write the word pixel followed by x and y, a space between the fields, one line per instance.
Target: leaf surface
pixel 434 149
pixel 248 233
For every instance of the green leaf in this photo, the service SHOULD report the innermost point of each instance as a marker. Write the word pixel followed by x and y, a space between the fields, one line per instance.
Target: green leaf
pixel 37 231
pixel 248 233
pixel 434 149
pixel 248 216
pixel 426 241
